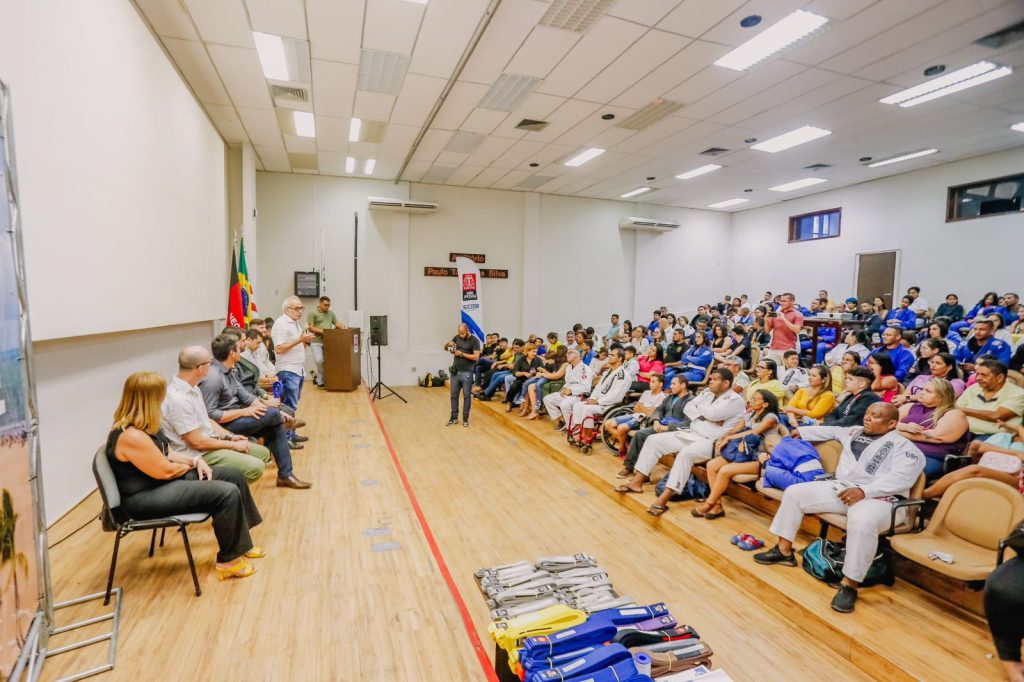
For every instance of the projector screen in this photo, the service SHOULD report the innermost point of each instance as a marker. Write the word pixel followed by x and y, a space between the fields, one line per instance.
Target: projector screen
pixel 122 177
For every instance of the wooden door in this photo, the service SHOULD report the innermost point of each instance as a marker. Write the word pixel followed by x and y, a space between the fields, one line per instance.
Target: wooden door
pixel 876 276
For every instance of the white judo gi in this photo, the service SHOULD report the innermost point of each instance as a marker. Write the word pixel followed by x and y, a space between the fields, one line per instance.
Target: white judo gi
pixel 579 381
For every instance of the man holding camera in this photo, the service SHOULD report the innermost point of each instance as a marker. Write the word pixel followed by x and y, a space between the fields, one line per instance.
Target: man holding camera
pixel 785 325
pixel 466 350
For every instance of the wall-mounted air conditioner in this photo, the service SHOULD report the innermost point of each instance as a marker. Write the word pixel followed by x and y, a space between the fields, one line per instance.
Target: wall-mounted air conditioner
pixel 402 205
pixel 648 224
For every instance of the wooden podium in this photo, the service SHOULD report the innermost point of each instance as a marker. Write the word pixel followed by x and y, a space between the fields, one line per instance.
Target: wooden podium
pixel 342 357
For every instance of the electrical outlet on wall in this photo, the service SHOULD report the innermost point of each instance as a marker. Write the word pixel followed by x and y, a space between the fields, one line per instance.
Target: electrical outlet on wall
pixel 413 369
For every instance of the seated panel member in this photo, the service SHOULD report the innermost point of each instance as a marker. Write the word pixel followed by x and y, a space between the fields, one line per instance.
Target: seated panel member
pixel 239 411
pixel 712 414
pixel 877 464
pixel 192 433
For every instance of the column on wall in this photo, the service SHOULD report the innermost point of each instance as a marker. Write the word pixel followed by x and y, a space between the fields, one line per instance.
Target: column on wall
pixel 531 267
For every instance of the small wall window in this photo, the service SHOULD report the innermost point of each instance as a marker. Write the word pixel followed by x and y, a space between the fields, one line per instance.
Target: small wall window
pixel 819 225
pixel 985 198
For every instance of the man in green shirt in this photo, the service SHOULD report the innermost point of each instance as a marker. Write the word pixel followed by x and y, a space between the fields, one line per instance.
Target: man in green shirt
pixel 321 318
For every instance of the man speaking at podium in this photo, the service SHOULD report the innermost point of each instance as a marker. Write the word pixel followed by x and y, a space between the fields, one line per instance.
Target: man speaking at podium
pixel 321 318
pixel 466 349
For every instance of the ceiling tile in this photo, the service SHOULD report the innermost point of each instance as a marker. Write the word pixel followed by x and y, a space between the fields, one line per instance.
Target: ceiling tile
pixel 332 133
pixel 168 19
pixel 432 144
pixel 334 87
pixel 646 12
pixel 331 163
pixel 274 159
pixel 511 179
pixel 224 22
pixel 463 175
pixel 227 122
pixel 335 29
pixel 375 106
pixel 687 62
pixel 568 117
pixel 636 62
pixel 416 99
pixel 194 63
pixel 462 99
pixel 483 120
pixel 510 26
pixel 489 150
pixel 415 170
pixel 392 25
pixel 488 177
pixel 398 140
pixel 300 145
pixel 451 158
pixel 262 126
pixel 521 153
pixel 539 54
pixel 694 17
pixel 447 28
pixel 602 45
pixel 280 17
pixel 240 70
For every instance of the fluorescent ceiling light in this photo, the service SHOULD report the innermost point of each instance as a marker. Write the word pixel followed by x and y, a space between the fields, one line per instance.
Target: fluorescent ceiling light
pixel 584 156
pixel 370 163
pixel 350 164
pixel 417 2
pixel 353 129
pixel 698 171
pixel 778 36
pixel 728 202
pixel 271 51
pixel 963 74
pixel 957 87
pixel 791 139
pixel 904 157
pixel 304 125
pixel 634 192
pixel 1019 127
pixel 797 184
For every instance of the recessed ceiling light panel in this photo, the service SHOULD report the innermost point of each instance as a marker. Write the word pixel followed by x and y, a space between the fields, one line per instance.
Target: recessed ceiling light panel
pixel 902 157
pixel 584 156
pixel 797 184
pixel 1019 127
pixel 728 202
pixel 508 92
pixel 791 139
pixel 698 171
pixel 381 71
pixel 304 124
pixel 776 37
pixel 574 15
pixel 635 192
pixel 968 74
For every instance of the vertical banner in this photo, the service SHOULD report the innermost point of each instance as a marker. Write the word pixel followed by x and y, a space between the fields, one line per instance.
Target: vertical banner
pixel 19 579
pixel 472 304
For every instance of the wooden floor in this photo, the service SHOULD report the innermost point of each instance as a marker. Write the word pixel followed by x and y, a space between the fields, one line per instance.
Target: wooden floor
pixel 326 606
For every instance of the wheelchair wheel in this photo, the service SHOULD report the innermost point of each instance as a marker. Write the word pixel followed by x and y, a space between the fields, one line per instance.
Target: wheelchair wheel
pixel 619 411
pixel 585 450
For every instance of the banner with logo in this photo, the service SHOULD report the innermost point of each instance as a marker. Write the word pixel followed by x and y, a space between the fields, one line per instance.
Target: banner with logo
pixel 19 585
pixel 472 304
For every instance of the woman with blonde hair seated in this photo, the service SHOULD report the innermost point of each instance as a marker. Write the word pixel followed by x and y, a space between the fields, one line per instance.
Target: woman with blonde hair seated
pixel 155 482
pixel 931 420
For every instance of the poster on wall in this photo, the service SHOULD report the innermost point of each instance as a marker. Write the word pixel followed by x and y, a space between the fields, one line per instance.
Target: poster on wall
pixel 19 589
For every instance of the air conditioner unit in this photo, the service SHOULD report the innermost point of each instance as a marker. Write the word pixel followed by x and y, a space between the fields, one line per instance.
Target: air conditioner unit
pixel 402 205
pixel 647 224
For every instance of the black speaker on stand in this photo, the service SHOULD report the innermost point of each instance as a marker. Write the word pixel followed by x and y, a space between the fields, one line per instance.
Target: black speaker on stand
pixel 378 338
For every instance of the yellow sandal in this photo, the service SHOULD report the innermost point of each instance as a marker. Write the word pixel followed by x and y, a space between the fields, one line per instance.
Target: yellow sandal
pixel 256 552
pixel 242 569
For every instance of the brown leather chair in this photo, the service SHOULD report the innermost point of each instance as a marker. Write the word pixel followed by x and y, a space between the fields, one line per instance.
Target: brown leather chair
pixel 972 518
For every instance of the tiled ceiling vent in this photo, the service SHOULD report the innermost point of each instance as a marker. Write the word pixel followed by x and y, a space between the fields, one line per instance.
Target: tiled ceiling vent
pixel 575 15
pixel 508 92
pixel 289 94
pixel 1007 36
pixel 381 71
pixel 531 125
pixel 818 166
pixel 650 114
pixel 713 151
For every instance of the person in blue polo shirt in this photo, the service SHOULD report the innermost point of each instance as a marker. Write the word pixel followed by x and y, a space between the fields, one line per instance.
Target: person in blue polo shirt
pixel 983 342
pixel 904 315
pixel 902 359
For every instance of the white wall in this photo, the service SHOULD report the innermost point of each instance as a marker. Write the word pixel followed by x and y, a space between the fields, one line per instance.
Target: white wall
pixel 78 383
pixel 905 212
pixel 121 174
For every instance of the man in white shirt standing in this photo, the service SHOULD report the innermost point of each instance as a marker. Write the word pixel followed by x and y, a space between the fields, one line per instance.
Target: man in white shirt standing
pixel 712 414
pixel 290 341
pixel 877 464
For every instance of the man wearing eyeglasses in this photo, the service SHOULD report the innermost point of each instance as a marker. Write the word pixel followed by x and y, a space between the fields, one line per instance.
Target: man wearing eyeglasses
pixel 290 341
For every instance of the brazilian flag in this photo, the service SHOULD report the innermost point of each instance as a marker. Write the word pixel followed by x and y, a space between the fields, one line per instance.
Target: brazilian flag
pixel 248 304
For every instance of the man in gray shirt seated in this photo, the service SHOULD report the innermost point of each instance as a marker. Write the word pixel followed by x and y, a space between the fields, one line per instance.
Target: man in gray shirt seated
pixel 229 404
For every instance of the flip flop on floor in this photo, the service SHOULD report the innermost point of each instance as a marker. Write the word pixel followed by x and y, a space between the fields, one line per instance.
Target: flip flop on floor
pixel 626 489
pixel 657 509
pixel 739 537
pixel 750 543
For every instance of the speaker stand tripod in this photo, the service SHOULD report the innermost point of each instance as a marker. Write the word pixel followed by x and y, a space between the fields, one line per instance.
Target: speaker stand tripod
pixel 379 388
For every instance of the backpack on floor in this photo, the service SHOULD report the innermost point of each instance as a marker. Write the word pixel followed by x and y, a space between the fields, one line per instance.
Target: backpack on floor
pixel 694 489
pixel 824 560
pixel 427 381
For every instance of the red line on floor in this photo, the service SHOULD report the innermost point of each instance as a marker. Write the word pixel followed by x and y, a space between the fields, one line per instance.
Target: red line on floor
pixel 467 621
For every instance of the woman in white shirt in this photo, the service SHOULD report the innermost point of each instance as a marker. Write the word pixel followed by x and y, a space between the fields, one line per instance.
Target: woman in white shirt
pixel 855 341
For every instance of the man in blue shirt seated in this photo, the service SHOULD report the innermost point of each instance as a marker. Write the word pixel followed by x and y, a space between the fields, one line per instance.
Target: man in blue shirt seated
pixel 901 358
pixel 904 315
pixel 983 342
